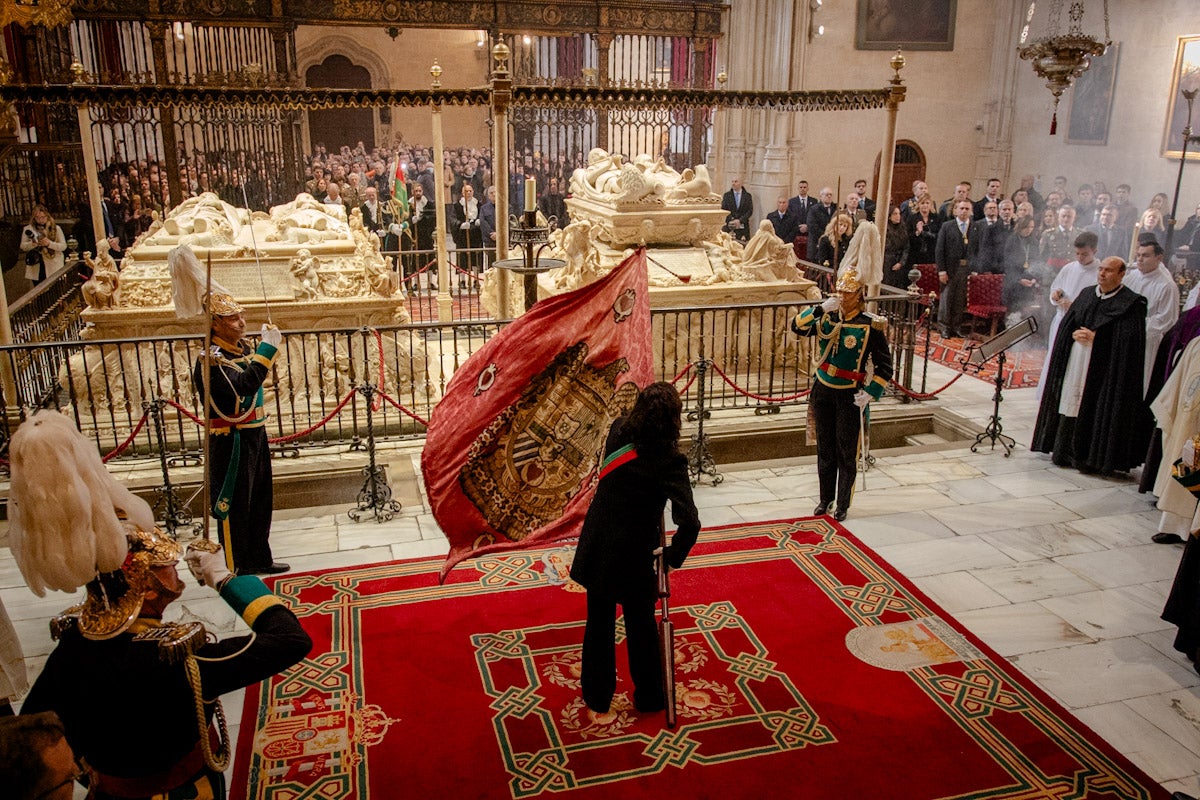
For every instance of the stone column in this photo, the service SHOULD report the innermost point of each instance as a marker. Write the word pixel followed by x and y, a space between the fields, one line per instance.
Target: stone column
pixel 994 158
pixel 445 302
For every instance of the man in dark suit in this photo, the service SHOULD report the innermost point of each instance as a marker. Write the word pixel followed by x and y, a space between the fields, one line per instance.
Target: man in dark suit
pixel 908 209
pixel 552 204
pixel 798 207
pixel 465 228
pixel 487 225
pixel 1113 240
pixel 377 218
pixel 740 205
pixel 952 256
pixel 864 202
pixel 423 221
pixel 962 191
pixel 988 237
pixel 782 220
pixel 992 196
pixel 818 217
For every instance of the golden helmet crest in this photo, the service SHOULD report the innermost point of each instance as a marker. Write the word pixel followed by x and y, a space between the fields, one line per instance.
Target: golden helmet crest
pixel 849 281
pixel 221 304
pixel 114 599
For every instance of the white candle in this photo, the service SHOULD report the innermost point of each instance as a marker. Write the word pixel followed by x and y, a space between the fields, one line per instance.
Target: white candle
pixel 530 194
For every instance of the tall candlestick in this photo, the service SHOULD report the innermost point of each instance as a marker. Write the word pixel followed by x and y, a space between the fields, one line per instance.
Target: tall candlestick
pixel 530 194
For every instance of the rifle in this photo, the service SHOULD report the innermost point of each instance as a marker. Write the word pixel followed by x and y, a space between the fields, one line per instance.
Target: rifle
pixel 666 629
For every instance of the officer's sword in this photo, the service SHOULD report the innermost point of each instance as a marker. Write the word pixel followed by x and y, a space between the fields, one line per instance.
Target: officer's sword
pixel 864 442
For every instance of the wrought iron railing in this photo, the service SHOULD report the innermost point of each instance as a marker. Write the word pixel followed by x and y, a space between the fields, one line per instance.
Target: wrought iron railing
pixel 753 362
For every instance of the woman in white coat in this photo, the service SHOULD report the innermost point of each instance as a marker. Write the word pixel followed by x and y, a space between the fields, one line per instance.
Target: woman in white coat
pixel 43 244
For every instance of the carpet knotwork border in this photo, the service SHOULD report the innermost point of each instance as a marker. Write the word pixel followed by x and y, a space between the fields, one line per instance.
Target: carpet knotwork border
pixel 799 654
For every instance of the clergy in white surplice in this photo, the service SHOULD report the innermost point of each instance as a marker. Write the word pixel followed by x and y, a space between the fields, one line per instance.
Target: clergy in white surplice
pixel 1072 279
pixel 1153 281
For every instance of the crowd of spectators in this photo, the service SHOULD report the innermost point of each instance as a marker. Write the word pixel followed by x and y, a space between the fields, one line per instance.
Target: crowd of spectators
pixel 1025 235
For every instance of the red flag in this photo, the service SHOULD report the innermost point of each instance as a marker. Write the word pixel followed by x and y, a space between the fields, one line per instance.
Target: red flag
pixel 511 450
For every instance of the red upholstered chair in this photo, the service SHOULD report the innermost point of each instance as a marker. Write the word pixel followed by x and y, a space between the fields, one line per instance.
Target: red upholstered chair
pixel 928 282
pixel 985 293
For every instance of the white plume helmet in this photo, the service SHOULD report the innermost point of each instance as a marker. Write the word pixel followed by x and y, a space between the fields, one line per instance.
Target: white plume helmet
pixel 63 503
pixel 864 253
pixel 189 285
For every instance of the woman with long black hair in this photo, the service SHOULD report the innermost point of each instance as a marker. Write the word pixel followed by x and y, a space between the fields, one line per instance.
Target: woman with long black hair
pixel 643 468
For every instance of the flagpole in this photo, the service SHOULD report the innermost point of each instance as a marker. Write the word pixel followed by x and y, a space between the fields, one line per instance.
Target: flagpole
pixel 444 301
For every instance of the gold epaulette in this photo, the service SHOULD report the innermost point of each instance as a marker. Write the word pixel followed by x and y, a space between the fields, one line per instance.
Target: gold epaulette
pixel 176 640
pixel 878 323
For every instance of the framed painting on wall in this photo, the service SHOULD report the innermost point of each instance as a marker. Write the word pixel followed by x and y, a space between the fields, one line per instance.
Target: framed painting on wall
pixel 907 24
pixel 1092 100
pixel 1184 77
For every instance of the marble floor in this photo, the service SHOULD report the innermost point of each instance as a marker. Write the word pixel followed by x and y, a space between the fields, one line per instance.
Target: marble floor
pixel 1052 568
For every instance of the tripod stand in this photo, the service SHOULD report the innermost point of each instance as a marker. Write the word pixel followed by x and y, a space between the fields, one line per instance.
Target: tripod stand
pixel 994 430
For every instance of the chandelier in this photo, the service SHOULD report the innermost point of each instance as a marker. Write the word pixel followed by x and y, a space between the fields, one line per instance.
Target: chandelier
pixel 1060 58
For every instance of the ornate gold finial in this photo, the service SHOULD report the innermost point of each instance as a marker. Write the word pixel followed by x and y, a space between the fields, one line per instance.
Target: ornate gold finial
pixel 6 73
pixel 500 53
pixel 722 77
pixel 78 71
pixel 436 72
pixel 897 63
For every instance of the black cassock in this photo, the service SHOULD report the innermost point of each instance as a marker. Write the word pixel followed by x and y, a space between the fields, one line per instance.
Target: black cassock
pixel 1113 427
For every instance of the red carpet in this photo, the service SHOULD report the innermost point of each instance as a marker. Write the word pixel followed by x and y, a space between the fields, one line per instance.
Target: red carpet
pixel 807 668
pixel 1023 365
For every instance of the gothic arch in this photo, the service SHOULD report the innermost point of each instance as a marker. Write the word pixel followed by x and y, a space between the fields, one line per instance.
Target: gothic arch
pixel 360 56
pixel 341 45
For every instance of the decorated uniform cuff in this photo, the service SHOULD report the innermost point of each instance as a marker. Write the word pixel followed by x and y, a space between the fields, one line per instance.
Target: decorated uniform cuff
pixel 249 597
pixel 264 354
pixel 804 320
pixel 875 387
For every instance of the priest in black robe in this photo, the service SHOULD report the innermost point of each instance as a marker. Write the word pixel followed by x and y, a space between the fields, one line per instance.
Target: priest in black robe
pixel 1183 603
pixel 1093 415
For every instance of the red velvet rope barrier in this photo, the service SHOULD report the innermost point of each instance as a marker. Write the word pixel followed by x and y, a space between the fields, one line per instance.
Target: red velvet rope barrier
pixel 468 273
pixel 403 409
pixel 928 395
pixel 300 434
pixel 287 438
pixel 128 440
pixel 184 412
pixel 418 272
pixel 761 398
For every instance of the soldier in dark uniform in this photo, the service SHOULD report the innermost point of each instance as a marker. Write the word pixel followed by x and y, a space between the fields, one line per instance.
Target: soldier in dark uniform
pixel 239 465
pixel 642 469
pixel 847 337
pixel 138 697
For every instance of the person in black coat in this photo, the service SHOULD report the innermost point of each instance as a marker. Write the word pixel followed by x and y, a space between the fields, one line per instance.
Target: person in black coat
pixel 923 224
pixel 952 255
pixel 1103 424
pixel 895 251
pixel 642 470
pixel 740 205
pixel 818 219
pixel 783 221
